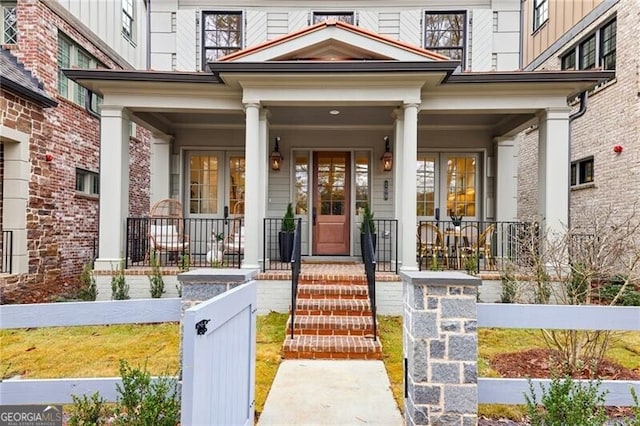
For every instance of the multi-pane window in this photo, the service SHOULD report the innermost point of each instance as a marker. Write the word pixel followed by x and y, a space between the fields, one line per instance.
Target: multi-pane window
pixel 568 61
pixel 87 182
pixel 9 25
pixel 333 16
pixel 426 185
pixel 127 18
pixel 221 35
pixel 540 13
pixel 71 55
pixel 362 181
pixel 608 46
pixel 445 34
pixel 587 52
pixel 582 171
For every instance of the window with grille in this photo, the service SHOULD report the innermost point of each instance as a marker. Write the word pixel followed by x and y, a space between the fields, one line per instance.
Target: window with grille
pixel 582 171
pixel 221 35
pixel 127 18
pixel 71 55
pixel 569 61
pixel 445 34
pixel 598 49
pixel 9 27
pixel 540 13
pixel 346 17
pixel 608 46
pixel 587 52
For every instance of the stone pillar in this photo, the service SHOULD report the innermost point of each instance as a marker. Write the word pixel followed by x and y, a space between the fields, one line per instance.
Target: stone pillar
pixel 200 285
pixel 409 157
pixel 252 182
pixel 440 348
pixel 114 186
pixel 553 170
pixel 160 167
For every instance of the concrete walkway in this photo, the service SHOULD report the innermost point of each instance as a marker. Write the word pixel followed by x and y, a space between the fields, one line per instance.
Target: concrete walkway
pixel 328 392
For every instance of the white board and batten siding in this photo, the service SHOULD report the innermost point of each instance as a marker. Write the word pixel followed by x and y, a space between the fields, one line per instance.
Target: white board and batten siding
pixel 219 364
pixel 411 26
pixel 368 19
pixel 186 40
pixel 559 317
pixel 481 40
pixel 256 32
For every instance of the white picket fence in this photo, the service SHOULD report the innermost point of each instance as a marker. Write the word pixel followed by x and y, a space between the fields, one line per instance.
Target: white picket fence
pixel 559 317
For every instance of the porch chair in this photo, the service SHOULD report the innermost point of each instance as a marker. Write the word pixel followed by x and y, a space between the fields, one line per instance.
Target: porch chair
pixel 234 241
pixel 431 244
pixel 479 245
pixel 166 231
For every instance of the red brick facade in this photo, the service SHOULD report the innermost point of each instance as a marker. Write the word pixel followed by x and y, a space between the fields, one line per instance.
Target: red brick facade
pixel 62 224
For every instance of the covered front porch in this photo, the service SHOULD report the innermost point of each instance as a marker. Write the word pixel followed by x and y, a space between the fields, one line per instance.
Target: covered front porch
pixel 368 122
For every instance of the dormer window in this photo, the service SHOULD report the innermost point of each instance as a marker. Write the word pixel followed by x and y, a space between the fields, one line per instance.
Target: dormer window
pixel 221 35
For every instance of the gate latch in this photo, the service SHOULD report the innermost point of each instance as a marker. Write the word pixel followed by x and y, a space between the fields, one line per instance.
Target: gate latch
pixel 201 326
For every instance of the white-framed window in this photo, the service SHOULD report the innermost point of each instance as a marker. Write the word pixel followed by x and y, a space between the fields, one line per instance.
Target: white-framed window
pixel 87 183
pixel 221 35
pixel 9 24
pixel 597 49
pixel 445 33
pixel 582 171
pixel 540 13
pixel 72 55
pixel 127 18
pixel 347 17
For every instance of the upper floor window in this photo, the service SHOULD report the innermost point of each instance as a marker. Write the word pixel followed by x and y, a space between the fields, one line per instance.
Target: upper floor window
pixel 540 13
pixel 221 34
pixel 582 171
pixel 127 18
pixel 597 50
pixel 445 34
pixel 335 16
pixel 72 55
pixel 9 25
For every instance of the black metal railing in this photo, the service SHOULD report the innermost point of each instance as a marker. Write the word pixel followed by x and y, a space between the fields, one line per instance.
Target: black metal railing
pixel 385 244
pixel 369 255
pixel 296 260
pixel 470 245
pixel 185 243
pixel 274 241
pixel 6 252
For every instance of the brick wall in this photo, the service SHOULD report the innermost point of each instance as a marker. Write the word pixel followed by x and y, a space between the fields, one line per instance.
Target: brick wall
pixel 612 117
pixel 62 225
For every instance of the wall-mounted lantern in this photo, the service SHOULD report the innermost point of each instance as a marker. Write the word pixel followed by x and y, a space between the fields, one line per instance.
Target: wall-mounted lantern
pixel 387 157
pixel 276 157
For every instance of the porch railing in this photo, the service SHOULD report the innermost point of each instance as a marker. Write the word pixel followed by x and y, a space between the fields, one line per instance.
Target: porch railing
pixel 190 242
pixel 471 245
pixel 369 256
pixel 295 270
pixel 6 252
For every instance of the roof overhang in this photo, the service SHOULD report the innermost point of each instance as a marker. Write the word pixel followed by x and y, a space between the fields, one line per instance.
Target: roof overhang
pixel 27 93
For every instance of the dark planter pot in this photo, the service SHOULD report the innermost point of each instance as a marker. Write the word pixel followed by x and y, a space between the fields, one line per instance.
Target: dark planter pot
pixel 286 246
pixel 373 240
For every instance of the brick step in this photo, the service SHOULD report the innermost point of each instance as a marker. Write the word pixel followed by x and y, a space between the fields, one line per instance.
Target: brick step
pixel 316 325
pixel 343 279
pixel 348 307
pixel 332 291
pixel 331 347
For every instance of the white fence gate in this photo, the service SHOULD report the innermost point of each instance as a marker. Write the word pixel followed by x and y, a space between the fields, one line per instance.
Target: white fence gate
pixel 218 366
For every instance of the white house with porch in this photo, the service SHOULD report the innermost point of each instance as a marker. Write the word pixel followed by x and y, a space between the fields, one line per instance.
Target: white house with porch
pixel 332 104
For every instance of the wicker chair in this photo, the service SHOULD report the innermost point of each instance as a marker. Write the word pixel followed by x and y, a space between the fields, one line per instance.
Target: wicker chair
pixel 481 246
pixel 166 231
pixel 431 245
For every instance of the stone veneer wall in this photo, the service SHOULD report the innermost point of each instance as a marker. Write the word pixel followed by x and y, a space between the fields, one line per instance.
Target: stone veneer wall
pixel 612 117
pixel 440 348
pixel 62 225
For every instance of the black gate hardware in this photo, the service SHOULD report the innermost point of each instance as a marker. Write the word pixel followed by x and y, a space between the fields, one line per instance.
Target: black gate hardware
pixel 201 326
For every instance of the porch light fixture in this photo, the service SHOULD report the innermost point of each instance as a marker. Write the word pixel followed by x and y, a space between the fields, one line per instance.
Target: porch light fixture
pixel 276 157
pixel 387 157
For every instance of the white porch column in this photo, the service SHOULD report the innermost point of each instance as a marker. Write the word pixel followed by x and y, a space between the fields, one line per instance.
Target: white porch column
pixel 398 170
pixel 114 186
pixel 553 169
pixel 506 180
pixel 160 166
pixel 252 216
pixel 263 161
pixel 408 215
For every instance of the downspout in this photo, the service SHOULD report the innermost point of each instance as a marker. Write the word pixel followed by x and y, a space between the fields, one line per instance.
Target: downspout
pixel 584 98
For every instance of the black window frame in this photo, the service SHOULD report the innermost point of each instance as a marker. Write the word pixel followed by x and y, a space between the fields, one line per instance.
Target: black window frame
pixel 610 52
pixel 582 171
pixel 222 49
pixel 540 13
pixel 332 15
pixel 568 61
pixel 587 52
pixel 462 47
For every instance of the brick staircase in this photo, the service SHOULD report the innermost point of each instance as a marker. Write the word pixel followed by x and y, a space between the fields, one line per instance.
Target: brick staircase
pixel 332 320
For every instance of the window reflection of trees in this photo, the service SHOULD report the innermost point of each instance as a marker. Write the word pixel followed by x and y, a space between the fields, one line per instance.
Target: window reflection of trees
pixel 425 185
pixel 302 185
pixel 362 182
pixel 331 185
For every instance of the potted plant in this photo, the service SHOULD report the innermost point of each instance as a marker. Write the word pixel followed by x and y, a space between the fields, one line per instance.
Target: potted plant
pixel 286 234
pixel 367 224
